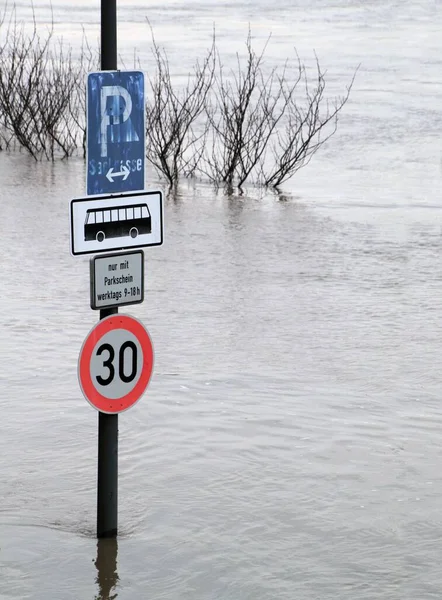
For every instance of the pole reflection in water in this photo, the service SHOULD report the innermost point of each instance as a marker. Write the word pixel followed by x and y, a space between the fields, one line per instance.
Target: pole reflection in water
pixel 106 563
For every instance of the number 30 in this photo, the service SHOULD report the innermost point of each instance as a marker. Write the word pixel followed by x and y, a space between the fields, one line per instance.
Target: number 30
pixel 109 363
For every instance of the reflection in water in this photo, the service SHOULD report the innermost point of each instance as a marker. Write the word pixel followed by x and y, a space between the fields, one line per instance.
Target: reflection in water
pixel 106 563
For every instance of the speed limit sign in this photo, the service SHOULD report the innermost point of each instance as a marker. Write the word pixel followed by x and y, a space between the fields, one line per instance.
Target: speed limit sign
pixel 115 363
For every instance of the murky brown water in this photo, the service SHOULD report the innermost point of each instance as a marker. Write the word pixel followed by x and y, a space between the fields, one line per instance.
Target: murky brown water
pixel 289 444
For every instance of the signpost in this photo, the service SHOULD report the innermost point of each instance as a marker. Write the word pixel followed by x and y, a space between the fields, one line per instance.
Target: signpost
pixel 115 132
pixel 116 360
pixel 117 279
pixel 115 363
pixel 103 223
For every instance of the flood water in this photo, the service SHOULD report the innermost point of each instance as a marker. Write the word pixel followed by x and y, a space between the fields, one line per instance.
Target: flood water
pixel 290 442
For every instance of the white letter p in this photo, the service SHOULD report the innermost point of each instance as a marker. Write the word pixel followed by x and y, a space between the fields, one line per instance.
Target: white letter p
pixel 117 118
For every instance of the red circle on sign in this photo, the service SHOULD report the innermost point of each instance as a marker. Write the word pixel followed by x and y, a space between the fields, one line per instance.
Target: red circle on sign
pixel 91 393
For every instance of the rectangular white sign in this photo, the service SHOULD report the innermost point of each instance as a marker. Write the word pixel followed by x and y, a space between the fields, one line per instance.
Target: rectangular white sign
pixel 117 279
pixel 116 222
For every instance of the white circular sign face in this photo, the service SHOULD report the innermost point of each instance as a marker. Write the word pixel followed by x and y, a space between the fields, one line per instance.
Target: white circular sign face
pixel 116 364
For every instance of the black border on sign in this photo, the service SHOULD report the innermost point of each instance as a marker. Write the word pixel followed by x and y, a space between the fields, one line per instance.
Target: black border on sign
pixel 92 279
pixel 127 195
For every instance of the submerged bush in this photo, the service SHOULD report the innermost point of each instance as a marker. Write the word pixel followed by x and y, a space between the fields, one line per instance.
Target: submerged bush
pixel 37 84
pixel 231 127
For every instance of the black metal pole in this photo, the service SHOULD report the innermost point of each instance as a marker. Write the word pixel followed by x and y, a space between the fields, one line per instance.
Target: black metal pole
pixel 107 481
pixel 108 35
pixel 107 484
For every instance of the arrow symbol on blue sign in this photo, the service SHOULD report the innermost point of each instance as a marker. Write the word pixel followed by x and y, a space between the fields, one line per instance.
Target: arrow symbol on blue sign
pixel 124 173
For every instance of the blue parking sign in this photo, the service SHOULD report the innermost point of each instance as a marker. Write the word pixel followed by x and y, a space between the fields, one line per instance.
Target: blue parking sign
pixel 115 132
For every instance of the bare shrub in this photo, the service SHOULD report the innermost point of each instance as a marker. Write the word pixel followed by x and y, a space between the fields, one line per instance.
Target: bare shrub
pixel 35 88
pixel 173 145
pixel 308 126
pixel 247 112
pixel 245 124
pixel 243 112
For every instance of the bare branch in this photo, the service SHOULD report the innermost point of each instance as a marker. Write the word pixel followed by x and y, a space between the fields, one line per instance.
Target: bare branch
pixel 173 141
pixel 306 130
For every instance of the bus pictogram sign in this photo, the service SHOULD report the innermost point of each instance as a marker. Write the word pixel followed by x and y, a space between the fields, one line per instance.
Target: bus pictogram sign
pixel 115 363
pixel 116 222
